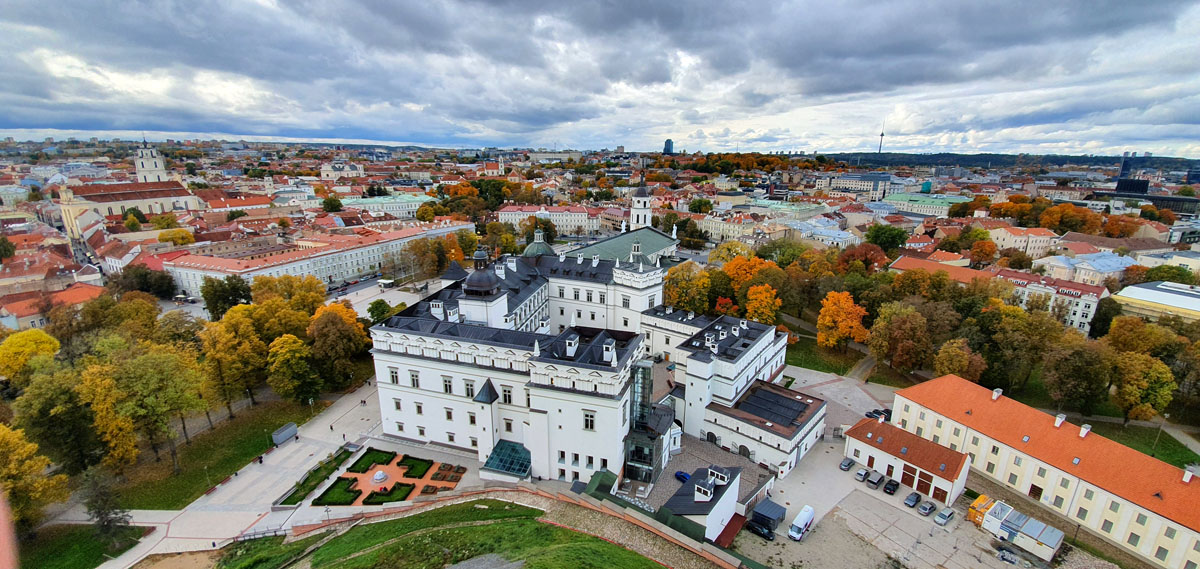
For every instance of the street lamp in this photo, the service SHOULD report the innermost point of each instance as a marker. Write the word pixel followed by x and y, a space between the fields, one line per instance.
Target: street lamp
pixel 1159 434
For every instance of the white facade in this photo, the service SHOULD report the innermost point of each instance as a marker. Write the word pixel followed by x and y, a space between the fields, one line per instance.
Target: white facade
pixel 150 166
pixel 566 219
pixel 924 466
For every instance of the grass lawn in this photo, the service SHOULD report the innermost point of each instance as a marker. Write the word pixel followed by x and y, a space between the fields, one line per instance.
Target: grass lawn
pixel 540 545
pixel 806 353
pixel 1169 449
pixel 366 535
pixel 885 375
pixel 397 493
pixel 72 547
pixel 1035 394
pixel 224 450
pixel 268 552
pixel 338 494
pixel 316 477
pixel 370 458
pixel 417 467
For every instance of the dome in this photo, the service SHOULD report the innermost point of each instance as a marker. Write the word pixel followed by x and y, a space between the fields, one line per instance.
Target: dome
pixel 482 282
pixel 538 247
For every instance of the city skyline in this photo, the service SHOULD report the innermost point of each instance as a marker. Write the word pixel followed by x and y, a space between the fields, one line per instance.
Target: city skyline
pixel 1079 79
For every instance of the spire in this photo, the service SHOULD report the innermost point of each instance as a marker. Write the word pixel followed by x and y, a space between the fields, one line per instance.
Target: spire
pixel 537 350
pixel 572 319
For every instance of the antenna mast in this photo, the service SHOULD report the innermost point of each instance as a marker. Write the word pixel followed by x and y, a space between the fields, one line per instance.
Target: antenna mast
pixel 881 129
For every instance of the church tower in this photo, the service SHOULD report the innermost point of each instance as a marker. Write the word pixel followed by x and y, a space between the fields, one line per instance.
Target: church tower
pixel 639 214
pixel 149 165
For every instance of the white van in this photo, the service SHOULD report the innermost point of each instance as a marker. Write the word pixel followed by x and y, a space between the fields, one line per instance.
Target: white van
pixel 802 523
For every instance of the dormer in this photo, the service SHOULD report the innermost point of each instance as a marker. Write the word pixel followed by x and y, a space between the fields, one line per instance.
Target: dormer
pixel 500 269
pixel 437 310
pixel 572 345
pixel 719 475
pixel 595 260
pixel 610 351
pixel 704 490
pixel 579 259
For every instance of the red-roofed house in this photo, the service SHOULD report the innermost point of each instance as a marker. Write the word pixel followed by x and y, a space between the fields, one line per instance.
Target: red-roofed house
pixel 26 313
pixel 949 258
pixel 918 241
pixel 246 203
pixel 1140 504
pixel 1034 241
pixel 927 467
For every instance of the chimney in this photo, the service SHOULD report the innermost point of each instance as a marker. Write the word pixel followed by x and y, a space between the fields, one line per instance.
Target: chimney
pixel 610 350
pixel 722 337
pixel 708 338
pixel 435 307
pixel 996 393
pixel 1058 420
pixel 735 330
pixel 1187 475
pixel 595 260
pixel 579 259
pixel 670 309
pixel 744 325
pixel 562 257
pixel 1084 430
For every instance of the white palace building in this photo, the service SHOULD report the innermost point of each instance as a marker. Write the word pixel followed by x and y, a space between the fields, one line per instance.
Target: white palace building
pixel 541 365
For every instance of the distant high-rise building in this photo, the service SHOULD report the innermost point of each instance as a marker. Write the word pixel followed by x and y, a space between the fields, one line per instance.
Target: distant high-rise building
pixel 669 147
pixel 1193 174
pixel 621 149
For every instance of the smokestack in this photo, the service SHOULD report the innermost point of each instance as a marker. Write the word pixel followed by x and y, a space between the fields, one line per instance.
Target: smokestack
pixel 996 393
pixel 1058 420
pixel 1084 430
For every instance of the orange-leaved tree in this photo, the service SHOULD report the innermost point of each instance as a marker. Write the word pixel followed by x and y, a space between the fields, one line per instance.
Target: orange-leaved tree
pixel 840 320
pixel 762 304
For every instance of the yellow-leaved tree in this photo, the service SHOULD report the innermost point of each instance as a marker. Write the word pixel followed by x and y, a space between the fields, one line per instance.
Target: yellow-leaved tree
pixel 840 320
pixel 19 348
pixel 686 288
pixel 762 304
pixel 24 480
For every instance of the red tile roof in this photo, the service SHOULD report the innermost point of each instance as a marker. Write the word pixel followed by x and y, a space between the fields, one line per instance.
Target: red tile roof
pixel 1131 475
pixel 130 191
pixel 944 256
pixel 927 455
pixel 77 293
pixel 963 275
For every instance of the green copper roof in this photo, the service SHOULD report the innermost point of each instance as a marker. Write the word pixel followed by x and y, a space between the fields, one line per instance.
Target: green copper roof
pixel 620 247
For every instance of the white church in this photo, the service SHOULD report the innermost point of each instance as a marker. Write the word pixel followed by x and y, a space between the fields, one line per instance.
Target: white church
pixel 542 365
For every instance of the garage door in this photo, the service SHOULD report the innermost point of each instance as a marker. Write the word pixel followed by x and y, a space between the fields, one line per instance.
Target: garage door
pixel 909 476
pixel 939 495
pixel 924 483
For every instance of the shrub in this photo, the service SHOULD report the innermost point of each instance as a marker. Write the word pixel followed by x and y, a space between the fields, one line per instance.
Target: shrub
pixel 370 458
pixel 397 493
pixel 341 493
pixel 417 467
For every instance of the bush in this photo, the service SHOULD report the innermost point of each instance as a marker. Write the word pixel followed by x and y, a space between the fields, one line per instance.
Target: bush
pixel 315 478
pixel 341 493
pixel 370 458
pixel 417 467
pixel 397 493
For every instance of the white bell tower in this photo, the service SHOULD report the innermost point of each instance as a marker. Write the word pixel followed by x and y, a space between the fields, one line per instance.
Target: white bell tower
pixel 149 165
pixel 639 214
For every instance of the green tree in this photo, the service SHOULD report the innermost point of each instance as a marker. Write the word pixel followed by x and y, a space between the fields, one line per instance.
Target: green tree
pixel 899 336
pixel 425 213
pixel 164 221
pixel 700 205
pixel 1187 191
pixel 159 384
pixel 7 249
pixel 533 223
pixel 24 479
pixel 1171 273
pixel 1077 372
pixel 289 372
pixel 234 358
pixel 132 224
pixel 179 327
pixel 103 505
pixel 338 338
pixel 887 237
pixel 379 310
pixel 783 251
pixel 141 278
pixel 234 214
pixel 331 204
pixel 1107 309
pixel 222 294
pixel 137 214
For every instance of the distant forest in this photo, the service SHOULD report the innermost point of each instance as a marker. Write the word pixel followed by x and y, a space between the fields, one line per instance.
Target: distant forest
pixel 1049 161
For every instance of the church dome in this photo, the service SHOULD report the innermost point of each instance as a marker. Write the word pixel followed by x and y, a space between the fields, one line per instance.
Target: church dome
pixel 483 281
pixel 538 247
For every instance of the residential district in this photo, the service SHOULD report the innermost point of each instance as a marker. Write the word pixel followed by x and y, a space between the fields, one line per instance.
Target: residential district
pixel 244 354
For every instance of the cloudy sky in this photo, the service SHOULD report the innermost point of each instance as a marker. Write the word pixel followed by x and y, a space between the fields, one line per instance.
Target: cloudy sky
pixel 1089 76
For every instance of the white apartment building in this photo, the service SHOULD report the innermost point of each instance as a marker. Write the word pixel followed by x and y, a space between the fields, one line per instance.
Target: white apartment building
pixel 334 170
pixel 1033 241
pixel 1078 301
pixel 937 205
pixel 872 186
pixel 1138 503
pixel 402 206
pixel 1090 268
pixel 332 258
pixel 567 219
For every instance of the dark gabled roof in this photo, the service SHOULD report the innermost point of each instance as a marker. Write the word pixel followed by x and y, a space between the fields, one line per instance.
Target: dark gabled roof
pixel 684 503
pixel 487 393
pixel 454 272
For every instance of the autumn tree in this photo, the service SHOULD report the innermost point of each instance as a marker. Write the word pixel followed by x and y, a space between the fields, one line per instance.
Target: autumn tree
pixel 726 307
pixel 1144 386
pixel 1070 217
pixel 762 305
pixel 234 358
pixel 899 336
pixel 178 237
pixel 840 320
pixel 338 337
pixel 132 224
pixel 742 269
pixel 53 415
pixel 274 318
pixel 1132 334
pixel 24 479
pixel 18 349
pixel 305 293
pixel 956 357
pixel 159 385
pixel 982 252
pixel 141 278
pixel 179 327
pixel 686 288
pixel 98 389
pixel 289 372
pixel 868 256
pixel 1077 372
pixel 728 250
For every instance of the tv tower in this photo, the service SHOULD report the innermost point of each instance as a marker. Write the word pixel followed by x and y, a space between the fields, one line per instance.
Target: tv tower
pixel 881 129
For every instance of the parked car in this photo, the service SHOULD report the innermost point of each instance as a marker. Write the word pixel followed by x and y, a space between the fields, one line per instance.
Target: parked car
pixel 944 516
pixel 926 508
pixel 847 464
pixel 891 486
pixel 761 531
pixel 871 414
pixel 861 474
pixel 354 281
pixel 682 476
pixel 913 499
pixel 875 479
